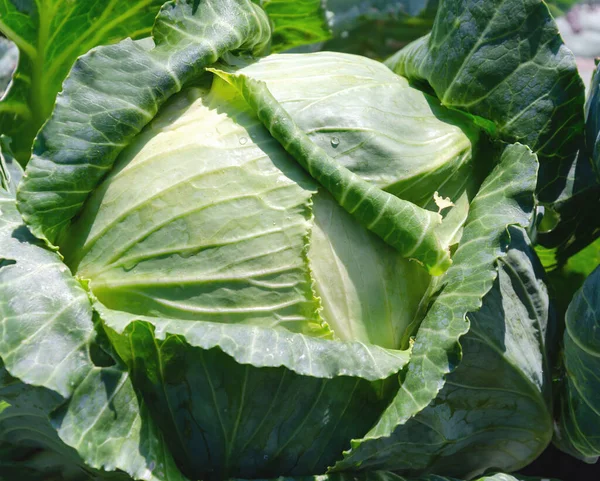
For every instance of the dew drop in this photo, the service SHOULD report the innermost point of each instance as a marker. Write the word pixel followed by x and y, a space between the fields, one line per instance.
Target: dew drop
pixel 335 142
pixel 243 140
pixel 129 265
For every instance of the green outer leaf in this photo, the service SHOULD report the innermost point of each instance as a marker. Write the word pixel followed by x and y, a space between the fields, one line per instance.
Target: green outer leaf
pixel 9 55
pixel 58 325
pixel 47 338
pixel 25 425
pixel 50 36
pixel 481 56
pixel 401 224
pixel 578 427
pixel 223 418
pixel 494 410
pixel 505 198
pixel 30 447
pixel 102 107
pixel 296 23
pixel 265 347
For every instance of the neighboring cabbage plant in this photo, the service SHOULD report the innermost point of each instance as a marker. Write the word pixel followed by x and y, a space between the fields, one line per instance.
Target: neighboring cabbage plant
pixel 225 263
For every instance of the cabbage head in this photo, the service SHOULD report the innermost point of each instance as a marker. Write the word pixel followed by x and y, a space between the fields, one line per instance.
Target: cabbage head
pixel 222 262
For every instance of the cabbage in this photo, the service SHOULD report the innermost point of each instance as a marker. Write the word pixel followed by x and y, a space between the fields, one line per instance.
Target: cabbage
pixel 222 262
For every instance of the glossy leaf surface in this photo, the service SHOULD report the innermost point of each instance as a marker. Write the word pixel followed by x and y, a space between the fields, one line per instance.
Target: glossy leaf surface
pixel 478 59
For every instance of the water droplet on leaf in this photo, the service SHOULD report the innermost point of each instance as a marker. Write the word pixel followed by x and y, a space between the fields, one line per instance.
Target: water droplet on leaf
pixel 129 265
pixel 243 140
pixel 335 142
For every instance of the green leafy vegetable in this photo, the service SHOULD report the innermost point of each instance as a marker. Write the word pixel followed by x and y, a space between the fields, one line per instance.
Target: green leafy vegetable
pixel 222 263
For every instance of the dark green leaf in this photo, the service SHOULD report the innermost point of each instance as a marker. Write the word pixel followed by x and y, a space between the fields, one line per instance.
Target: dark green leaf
pixel 494 410
pixel 243 401
pixel 504 61
pixel 30 447
pixel 576 210
pixel 578 427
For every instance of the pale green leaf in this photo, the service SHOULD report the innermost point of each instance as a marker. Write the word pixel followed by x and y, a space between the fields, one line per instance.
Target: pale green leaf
pixel 368 292
pixel 265 347
pixel 374 123
pixel 197 208
pixel 401 224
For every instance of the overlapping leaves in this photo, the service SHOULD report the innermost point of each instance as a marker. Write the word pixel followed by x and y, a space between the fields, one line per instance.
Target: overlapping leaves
pixel 82 139
pixel 50 35
pixel 480 58
pixel 505 198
